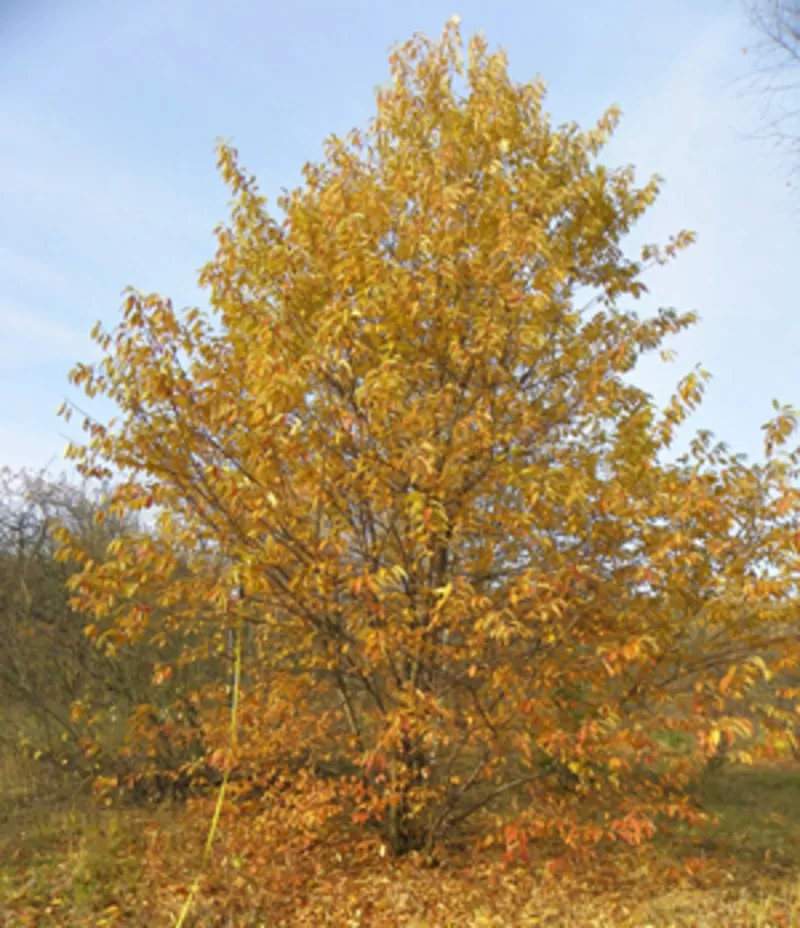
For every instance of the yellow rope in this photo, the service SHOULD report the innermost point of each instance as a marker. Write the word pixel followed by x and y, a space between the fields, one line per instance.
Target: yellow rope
pixel 237 673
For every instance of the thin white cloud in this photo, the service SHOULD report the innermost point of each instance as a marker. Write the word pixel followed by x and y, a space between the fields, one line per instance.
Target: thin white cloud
pixel 29 337
pixel 99 209
pixel 33 448
pixel 15 265
pixel 689 129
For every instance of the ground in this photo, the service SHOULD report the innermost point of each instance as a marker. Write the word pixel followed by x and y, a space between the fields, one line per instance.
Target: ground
pixel 66 861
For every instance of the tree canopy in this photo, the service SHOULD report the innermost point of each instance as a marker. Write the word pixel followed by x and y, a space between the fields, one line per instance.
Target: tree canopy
pixel 777 59
pixel 473 584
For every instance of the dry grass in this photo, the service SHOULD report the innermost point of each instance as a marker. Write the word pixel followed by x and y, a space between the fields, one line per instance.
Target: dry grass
pixel 66 862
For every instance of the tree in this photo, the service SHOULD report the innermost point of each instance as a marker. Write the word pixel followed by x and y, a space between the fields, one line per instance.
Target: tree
pixel 472 583
pixel 777 72
pixel 64 699
pixel 46 662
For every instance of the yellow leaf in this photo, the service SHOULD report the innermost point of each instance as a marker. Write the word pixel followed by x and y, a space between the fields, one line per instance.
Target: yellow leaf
pixel 725 682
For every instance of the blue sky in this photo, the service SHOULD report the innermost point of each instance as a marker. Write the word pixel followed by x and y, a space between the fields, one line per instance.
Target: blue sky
pixel 109 112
